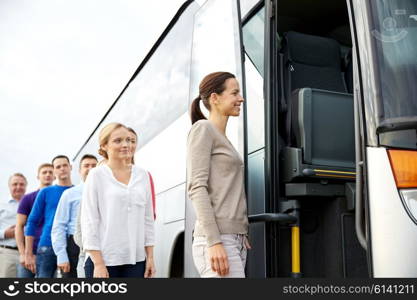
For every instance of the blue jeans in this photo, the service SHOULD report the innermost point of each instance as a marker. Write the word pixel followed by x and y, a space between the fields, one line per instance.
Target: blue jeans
pixel 22 272
pixel 134 271
pixel 46 262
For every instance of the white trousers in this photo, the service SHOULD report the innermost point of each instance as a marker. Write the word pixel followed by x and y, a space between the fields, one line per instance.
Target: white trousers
pixel 234 245
pixel 8 262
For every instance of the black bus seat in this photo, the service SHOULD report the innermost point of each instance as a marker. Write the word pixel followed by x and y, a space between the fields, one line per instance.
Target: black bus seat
pixel 309 62
pixel 323 129
pixel 320 124
pixel 312 61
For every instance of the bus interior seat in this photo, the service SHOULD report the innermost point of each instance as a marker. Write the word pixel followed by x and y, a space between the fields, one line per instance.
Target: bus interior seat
pixel 312 61
pixel 318 116
pixel 320 110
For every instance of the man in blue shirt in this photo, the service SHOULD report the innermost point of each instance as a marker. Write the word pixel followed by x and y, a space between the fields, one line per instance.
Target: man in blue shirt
pixel 45 177
pixel 64 225
pixel 9 255
pixel 44 209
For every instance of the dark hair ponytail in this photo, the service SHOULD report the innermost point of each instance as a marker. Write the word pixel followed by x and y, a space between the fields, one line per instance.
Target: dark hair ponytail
pixel 212 83
pixel 196 113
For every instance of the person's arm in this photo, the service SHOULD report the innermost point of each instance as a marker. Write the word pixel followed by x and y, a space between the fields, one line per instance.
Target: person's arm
pixel 23 210
pixel 90 220
pixel 149 235
pixel 33 221
pixel 20 236
pixel 77 234
pixel 100 269
pixel 6 231
pixel 30 258
pixel 59 232
pixel 199 147
pixel 150 270
pixel 9 232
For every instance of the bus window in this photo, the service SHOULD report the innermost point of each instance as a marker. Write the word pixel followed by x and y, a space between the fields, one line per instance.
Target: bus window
pixel 395 39
pixel 247 5
pixel 253 40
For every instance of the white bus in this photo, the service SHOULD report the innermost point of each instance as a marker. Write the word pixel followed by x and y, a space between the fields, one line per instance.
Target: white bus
pixel 328 131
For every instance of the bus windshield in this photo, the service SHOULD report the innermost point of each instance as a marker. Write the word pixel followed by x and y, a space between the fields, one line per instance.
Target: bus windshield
pixel 395 38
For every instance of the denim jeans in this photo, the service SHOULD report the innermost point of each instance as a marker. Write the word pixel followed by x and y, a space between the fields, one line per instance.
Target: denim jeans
pixel 46 262
pixel 236 255
pixel 133 271
pixel 22 272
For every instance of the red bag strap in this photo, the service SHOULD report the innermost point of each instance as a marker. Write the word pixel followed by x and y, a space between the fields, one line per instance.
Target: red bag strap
pixel 153 195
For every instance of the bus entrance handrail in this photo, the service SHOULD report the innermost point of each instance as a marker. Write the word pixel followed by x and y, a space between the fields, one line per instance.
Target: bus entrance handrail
pixel 359 215
pixel 272 217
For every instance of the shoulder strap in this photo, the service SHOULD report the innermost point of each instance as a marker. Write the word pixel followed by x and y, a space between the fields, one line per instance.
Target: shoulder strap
pixel 153 195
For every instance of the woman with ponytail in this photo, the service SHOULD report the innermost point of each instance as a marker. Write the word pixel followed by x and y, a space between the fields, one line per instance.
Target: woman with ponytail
pixel 117 218
pixel 215 178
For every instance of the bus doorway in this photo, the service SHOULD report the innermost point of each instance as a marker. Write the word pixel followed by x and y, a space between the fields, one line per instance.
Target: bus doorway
pixel 301 140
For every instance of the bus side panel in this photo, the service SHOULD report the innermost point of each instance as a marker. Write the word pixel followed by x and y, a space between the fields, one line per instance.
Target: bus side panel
pixel 168 171
pixel 169 225
pixel 393 233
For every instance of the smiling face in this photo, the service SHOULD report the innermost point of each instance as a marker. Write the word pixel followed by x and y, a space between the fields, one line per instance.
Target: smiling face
pixel 17 187
pixel 228 103
pixel 121 144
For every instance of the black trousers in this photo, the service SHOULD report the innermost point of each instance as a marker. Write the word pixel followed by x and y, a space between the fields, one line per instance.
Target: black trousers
pixel 133 271
pixel 73 252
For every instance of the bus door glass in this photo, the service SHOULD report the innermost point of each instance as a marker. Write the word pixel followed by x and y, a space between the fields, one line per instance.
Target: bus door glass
pixel 253 40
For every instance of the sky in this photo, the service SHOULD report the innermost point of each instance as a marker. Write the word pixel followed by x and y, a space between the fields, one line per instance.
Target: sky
pixel 62 65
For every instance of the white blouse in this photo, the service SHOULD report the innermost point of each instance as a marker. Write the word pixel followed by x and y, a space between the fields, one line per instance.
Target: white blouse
pixel 116 218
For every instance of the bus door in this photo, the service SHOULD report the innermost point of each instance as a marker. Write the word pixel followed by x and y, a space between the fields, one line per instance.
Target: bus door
pixel 216 46
pixel 310 162
pixel 386 139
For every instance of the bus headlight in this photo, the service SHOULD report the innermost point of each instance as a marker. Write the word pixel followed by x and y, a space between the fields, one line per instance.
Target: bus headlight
pixel 410 200
pixel 404 169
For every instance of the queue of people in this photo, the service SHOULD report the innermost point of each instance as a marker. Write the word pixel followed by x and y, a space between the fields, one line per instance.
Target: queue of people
pixel 108 219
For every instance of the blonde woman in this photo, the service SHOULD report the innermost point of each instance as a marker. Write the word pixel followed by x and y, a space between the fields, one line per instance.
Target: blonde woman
pixel 117 223
pixel 215 177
